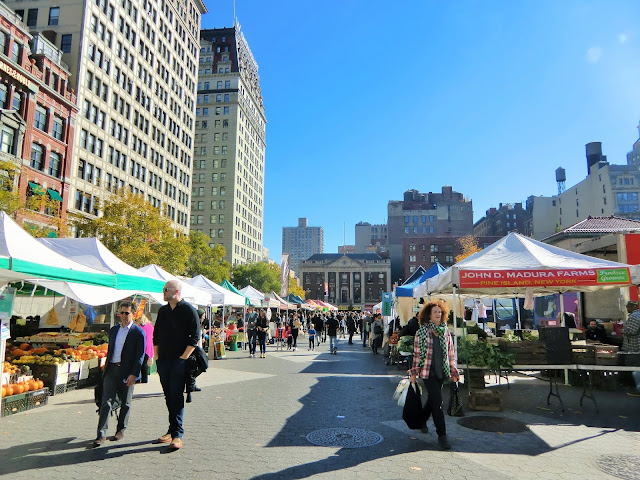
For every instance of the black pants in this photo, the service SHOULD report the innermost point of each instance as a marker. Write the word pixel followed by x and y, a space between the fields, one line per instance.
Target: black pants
pixel 350 337
pixel 433 406
pixel 262 340
pixel 294 334
pixel 252 341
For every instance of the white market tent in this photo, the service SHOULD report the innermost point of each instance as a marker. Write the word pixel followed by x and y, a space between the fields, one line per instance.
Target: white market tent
pixel 92 253
pixel 189 293
pixel 23 254
pixel 516 266
pixel 220 295
pixel 23 258
pixel 255 294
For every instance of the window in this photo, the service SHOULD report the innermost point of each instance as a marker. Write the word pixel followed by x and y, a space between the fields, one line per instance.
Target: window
pixel 448 258
pixel 32 17
pixel 431 218
pixel 7 135
pixel 54 164
pixel 415 229
pixel 3 42
pixel 412 258
pixel 17 101
pixel 15 52
pixel 40 119
pixel 65 43
pixel 434 258
pixel 434 248
pixel 406 230
pixel 58 127
pixel 406 219
pixel 37 156
pixel 3 95
pixel 54 15
pixel 432 229
pixel 412 247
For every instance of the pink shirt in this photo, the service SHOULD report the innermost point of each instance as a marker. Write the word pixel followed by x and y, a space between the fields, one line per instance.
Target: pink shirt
pixel 148 338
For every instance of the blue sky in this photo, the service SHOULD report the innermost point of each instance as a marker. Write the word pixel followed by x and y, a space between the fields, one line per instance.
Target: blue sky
pixel 367 99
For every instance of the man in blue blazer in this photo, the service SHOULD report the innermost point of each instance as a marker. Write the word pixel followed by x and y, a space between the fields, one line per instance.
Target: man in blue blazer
pixel 124 362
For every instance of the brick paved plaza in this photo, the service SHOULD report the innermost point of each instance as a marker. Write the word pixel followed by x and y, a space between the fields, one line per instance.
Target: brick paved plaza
pixel 253 415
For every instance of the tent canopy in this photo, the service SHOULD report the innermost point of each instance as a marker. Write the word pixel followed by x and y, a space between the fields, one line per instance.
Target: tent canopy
pixel 92 253
pixel 415 275
pixel 406 289
pixel 22 253
pixel 220 296
pixel 229 286
pixel 190 293
pixel 516 265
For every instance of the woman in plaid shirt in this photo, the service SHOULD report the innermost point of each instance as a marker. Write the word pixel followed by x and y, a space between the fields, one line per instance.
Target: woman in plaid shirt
pixel 434 359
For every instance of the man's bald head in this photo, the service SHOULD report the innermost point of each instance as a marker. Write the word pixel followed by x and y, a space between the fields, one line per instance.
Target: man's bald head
pixel 172 292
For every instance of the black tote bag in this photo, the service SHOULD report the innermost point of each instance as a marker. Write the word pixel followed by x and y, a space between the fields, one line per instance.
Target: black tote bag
pixel 412 412
pixel 455 402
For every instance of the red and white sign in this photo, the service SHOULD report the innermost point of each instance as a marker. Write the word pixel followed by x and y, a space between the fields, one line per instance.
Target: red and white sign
pixel 544 278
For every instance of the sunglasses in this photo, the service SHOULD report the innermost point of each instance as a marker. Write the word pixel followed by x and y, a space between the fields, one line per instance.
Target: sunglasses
pixel 168 289
pixel 125 313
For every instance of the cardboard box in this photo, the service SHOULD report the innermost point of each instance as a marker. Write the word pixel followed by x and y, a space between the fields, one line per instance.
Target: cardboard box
pixel 74 367
pixel 84 370
pixel 94 362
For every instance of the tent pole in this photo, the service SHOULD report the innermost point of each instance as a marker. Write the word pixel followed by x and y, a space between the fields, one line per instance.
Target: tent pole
pixel 518 310
pixel 562 324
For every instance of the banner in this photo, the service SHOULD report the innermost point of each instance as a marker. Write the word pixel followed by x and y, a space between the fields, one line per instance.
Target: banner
pixel 284 275
pixel 544 278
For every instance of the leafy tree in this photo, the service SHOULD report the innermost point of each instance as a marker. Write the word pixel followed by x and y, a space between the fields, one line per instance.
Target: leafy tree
pixel 9 197
pixel 469 246
pixel 260 275
pixel 295 289
pixel 206 260
pixel 138 234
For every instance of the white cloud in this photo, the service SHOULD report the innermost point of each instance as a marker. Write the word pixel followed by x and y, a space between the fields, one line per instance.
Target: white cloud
pixel 623 37
pixel 594 54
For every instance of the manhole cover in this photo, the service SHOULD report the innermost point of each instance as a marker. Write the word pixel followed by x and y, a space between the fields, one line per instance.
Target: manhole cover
pixel 493 424
pixel 344 437
pixel 621 466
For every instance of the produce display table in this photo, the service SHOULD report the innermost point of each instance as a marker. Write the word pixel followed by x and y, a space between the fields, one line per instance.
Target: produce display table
pixel 587 389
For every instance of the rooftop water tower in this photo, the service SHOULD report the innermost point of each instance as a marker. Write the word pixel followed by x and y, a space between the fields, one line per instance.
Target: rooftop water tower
pixel 561 178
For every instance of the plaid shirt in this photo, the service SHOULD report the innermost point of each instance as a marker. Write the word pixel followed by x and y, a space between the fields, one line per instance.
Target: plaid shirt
pixel 424 372
pixel 631 333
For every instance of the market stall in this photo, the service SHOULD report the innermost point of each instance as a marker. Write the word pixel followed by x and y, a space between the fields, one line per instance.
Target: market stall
pixel 517 266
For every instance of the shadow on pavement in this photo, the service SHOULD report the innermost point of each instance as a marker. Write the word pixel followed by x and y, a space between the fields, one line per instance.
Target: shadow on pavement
pixel 67 451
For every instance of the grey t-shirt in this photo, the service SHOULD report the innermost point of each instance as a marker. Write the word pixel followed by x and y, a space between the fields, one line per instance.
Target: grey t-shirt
pixel 251 321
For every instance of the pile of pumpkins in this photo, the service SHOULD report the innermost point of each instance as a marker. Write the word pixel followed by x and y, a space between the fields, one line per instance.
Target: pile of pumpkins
pixel 22 387
pixel 25 354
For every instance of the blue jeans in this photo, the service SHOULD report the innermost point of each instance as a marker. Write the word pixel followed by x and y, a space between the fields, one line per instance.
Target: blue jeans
pixel 172 373
pixel 333 343
pixel 252 340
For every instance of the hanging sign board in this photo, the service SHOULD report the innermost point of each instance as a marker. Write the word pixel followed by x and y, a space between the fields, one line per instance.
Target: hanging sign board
pixel 544 278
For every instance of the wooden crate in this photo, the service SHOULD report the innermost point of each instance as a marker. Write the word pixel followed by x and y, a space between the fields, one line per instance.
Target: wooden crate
pixel 583 354
pixel 485 400
pixel 607 354
pixel 527 352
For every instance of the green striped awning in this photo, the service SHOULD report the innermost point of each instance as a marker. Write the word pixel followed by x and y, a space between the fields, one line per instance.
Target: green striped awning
pixel 37 189
pixel 54 195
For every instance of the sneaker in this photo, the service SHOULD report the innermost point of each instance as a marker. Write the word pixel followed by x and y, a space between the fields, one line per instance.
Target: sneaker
pixel 294 348
pixel 335 351
pixel 443 442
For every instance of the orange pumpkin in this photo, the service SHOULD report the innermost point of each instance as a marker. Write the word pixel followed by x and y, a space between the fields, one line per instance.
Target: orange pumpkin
pixel 16 352
pixel 40 384
pixel 9 390
pixel 18 389
pixel 4 391
pixel 27 386
pixel 25 346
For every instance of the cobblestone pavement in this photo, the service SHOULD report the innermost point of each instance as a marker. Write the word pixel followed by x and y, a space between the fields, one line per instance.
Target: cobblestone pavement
pixel 251 419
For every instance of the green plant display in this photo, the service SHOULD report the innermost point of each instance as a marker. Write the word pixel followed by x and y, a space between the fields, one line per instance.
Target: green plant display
pixel 405 344
pixel 482 354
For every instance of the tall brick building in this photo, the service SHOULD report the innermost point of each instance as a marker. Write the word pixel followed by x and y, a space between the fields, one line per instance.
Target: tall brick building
pixel 423 216
pixel 37 122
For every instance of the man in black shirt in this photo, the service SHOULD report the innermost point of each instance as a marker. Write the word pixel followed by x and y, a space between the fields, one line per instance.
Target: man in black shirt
pixel 596 332
pixel 332 332
pixel 175 337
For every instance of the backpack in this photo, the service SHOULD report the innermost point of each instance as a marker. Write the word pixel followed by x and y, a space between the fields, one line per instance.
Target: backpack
pixel 377 329
pixel 97 398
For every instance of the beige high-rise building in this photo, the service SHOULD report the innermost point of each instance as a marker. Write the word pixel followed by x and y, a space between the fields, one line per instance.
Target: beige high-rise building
pixel 228 170
pixel 133 66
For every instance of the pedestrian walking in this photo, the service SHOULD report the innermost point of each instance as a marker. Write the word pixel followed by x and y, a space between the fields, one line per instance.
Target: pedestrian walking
pixel 295 330
pixel 144 323
pixel 434 360
pixel 311 332
pixel 351 328
pixel 366 325
pixel 262 326
pixel 378 332
pixel 124 362
pixel 332 332
pixel 252 331
pixel 175 337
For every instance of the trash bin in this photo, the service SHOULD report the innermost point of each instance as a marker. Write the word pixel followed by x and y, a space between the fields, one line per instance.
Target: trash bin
pixel 233 343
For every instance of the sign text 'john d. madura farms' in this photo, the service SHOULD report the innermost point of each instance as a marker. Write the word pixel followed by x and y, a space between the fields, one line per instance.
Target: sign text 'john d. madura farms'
pixel 543 278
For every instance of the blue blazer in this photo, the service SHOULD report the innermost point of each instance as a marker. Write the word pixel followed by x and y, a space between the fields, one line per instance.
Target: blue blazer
pixel 132 354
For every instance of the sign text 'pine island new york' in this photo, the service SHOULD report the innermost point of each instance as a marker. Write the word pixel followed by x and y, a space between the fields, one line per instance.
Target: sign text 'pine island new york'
pixel 544 278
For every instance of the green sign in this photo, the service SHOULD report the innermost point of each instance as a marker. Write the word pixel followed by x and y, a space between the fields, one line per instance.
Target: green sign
pixel 613 275
pixel 386 304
